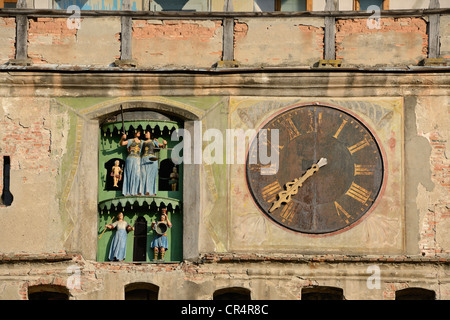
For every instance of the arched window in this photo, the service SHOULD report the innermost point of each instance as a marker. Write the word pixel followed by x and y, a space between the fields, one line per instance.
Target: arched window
pixel 322 293
pixel 140 239
pixel 233 293
pixel 415 294
pixel 141 291
pixel 48 292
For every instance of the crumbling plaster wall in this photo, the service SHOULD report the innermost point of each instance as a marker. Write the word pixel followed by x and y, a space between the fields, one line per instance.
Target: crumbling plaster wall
pixel 56 41
pixel 192 281
pixel 8 35
pixel 175 43
pixel 445 36
pixel 397 41
pixel 34 137
pixel 275 42
pixel 433 124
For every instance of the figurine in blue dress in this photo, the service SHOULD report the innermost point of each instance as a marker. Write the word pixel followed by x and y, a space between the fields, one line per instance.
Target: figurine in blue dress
pixel 132 171
pixel 160 243
pixel 118 247
pixel 149 165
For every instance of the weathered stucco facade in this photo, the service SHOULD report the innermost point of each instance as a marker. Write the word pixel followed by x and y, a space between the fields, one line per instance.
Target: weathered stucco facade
pixel 222 70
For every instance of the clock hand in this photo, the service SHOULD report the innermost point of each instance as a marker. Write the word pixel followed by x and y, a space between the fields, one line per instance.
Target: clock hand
pixel 292 187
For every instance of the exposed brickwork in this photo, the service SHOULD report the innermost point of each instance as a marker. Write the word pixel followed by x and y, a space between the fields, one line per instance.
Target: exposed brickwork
pixel 304 47
pixel 79 277
pixel 28 146
pixel 319 34
pixel 439 211
pixel 240 31
pixel 174 29
pixel 390 288
pixel 44 31
pixel 168 43
pixel 391 29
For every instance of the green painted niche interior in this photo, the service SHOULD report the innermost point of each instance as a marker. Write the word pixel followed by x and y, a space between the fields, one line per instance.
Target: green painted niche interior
pixel 144 209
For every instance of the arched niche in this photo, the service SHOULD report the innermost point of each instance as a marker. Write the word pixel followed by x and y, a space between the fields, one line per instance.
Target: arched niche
pixel 80 194
pixel 322 293
pixel 415 294
pixel 141 291
pixel 232 293
pixel 48 292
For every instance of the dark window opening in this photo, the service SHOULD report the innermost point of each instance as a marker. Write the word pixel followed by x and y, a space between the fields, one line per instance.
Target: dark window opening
pixel 141 291
pixel 7 197
pixel 48 292
pixel 8 4
pixel 111 177
pixel 140 240
pixel 168 177
pixel 415 294
pixel 322 293
pixel 232 294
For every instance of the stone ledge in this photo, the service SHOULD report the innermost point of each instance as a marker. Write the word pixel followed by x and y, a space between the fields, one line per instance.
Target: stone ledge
pixel 336 63
pixel 35 257
pixel 227 64
pixel 437 62
pixel 224 258
pixel 20 62
pixel 125 63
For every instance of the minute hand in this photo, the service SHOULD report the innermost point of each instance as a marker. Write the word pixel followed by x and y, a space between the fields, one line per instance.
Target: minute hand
pixel 293 186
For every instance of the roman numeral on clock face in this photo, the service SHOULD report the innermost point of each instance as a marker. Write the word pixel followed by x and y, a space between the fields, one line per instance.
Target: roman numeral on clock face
pixel 345 215
pixel 338 132
pixel 364 170
pixel 358 146
pixel 358 193
pixel 271 191
pixel 288 212
pixel 292 129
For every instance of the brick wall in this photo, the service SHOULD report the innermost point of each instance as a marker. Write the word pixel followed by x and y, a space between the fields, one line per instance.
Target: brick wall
pixel 52 41
pixel 278 42
pixel 268 41
pixel 175 43
pixel 398 41
pixel 27 145
pixel 434 232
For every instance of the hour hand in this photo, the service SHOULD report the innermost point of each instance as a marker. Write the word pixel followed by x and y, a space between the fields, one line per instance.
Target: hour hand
pixel 293 186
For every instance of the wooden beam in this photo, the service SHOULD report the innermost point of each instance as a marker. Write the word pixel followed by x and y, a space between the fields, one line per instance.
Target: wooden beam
pixel 330 32
pixel 228 39
pixel 197 15
pixel 277 5
pixel 21 37
pixel 228 36
pixel 228 6
pixel 433 31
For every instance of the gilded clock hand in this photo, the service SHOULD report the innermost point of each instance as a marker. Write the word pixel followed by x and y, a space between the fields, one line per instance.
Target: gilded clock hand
pixel 292 187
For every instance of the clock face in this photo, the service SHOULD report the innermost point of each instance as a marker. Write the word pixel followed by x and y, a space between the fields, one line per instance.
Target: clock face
pixel 303 196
